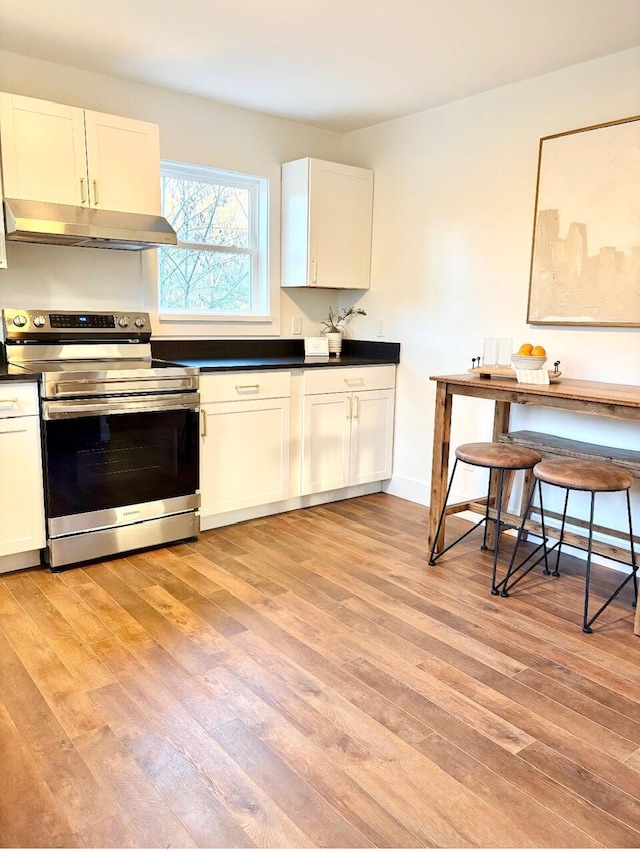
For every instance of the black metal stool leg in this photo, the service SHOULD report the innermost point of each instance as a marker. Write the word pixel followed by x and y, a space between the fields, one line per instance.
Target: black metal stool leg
pixel 483 546
pixel 544 531
pixel 442 514
pixel 519 537
pixel 494 589
pixel 556 572
pixel 634 567
pixel 585 621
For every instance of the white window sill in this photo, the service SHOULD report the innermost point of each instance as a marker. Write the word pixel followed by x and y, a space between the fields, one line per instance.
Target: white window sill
pixel 214 318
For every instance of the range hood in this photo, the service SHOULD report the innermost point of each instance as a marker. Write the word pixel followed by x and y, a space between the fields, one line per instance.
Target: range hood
pixel 66 225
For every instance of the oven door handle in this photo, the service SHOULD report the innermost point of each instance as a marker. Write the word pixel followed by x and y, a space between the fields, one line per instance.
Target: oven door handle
pixel 131 405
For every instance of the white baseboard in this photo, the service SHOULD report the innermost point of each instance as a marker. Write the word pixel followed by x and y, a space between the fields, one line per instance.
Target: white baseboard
pixel 408 489
pixel 18 561
pixel 226 518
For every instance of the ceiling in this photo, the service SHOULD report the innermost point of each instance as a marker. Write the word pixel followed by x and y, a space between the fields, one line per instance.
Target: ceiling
pixel 338 64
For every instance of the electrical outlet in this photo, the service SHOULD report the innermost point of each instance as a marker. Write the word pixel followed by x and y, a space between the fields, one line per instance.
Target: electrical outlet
pixel 381 330
pixel 296 325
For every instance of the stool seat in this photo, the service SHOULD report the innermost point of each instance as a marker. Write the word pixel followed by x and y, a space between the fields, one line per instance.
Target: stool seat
pixel 502 460
pixel 573 475
pixel 505 456
pixel 582 475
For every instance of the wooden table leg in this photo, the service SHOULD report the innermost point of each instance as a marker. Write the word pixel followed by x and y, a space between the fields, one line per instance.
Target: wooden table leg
pixel 501 418
pixel 440 463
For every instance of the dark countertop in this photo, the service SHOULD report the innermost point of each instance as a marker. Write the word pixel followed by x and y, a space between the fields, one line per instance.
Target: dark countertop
pixel 280 354
pixel 213 356
pixel 219 365
pixel 9 373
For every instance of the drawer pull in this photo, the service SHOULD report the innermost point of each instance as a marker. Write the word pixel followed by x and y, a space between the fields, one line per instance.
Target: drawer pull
pixel 248 387
pixel 9 402
pixel 358 380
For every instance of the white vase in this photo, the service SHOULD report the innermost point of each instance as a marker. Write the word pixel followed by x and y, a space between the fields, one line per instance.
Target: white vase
pixel 335 342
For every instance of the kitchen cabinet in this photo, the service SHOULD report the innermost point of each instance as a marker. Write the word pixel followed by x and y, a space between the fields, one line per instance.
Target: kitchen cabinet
pixel 245 434
pixel 67 155
pixel 347 427
pixel 3 243
pixel 22 526
pixel 327 211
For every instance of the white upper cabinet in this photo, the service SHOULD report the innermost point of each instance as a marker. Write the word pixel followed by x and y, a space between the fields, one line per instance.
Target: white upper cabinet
pixel 67 155
pixel 43 150
pixel 123 158
pixel 327 211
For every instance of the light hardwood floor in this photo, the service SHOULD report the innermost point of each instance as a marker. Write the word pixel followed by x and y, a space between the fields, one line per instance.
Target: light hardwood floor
pixel 307 680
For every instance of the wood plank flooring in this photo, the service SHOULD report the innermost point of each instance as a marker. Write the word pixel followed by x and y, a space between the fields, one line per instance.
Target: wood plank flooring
pixel 307 680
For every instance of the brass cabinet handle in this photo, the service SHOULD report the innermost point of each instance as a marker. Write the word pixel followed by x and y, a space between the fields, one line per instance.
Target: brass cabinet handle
pixel 96 195
pixel 83 191
pixel 248 387
pixel 203 422
pixel 356 416
pixel 350 398
pixel 8 402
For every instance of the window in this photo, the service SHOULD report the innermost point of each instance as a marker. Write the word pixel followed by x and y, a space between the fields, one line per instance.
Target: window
pixel 218 270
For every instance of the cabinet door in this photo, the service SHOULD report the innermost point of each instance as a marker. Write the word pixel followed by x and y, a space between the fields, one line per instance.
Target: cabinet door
pixel 43 150
pixel 244 458
pixel 371 436
pixel 326 430
pixel 21 496
pixel 3 244
pixel 123 158
pixel 340 225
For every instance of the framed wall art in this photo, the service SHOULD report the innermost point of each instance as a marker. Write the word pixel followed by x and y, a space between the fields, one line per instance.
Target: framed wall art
pixel 585 257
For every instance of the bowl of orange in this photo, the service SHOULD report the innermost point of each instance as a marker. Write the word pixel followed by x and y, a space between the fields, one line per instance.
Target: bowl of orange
pixel 529 357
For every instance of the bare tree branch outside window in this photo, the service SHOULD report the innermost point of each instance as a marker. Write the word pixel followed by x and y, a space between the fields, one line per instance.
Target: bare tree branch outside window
pixel 213 266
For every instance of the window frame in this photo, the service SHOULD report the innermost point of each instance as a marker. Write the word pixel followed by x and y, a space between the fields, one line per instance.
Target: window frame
pixel 260 231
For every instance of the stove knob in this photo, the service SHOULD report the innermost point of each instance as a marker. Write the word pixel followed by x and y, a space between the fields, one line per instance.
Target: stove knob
pixel 140 322
pixel 20 320
pixel 39 321
pixel 123 322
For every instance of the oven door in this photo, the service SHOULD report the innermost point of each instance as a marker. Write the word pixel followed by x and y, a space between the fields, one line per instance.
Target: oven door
pixel 119 460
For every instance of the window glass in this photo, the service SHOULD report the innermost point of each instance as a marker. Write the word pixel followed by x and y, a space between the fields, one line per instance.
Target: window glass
pixel 219 264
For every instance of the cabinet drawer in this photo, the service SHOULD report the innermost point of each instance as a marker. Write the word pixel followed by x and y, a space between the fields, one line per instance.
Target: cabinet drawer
pixel 18 400
pixel 227 387
pixel 336 379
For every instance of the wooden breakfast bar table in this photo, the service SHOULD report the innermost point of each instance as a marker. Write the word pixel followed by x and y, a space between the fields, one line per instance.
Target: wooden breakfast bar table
pixel 602 399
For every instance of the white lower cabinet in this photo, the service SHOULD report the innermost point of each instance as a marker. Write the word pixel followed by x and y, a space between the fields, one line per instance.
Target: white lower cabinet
pixel 275 438
pixel 347 434
pixel 326 442
pixel 371 436
pixel 22 525
pixel 245 443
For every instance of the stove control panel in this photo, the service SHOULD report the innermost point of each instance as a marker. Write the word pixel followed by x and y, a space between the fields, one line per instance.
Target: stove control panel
pixel 17 323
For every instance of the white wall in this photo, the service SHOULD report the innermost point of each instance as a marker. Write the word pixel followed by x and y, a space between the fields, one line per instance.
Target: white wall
pixel 453 220
pixel 192 130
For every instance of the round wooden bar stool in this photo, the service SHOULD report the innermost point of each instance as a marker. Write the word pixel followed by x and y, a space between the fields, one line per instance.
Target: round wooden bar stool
pixel 574 475
pixel 495 457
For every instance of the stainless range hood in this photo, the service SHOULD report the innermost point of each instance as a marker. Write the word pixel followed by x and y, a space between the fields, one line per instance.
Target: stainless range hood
pixel 65 225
